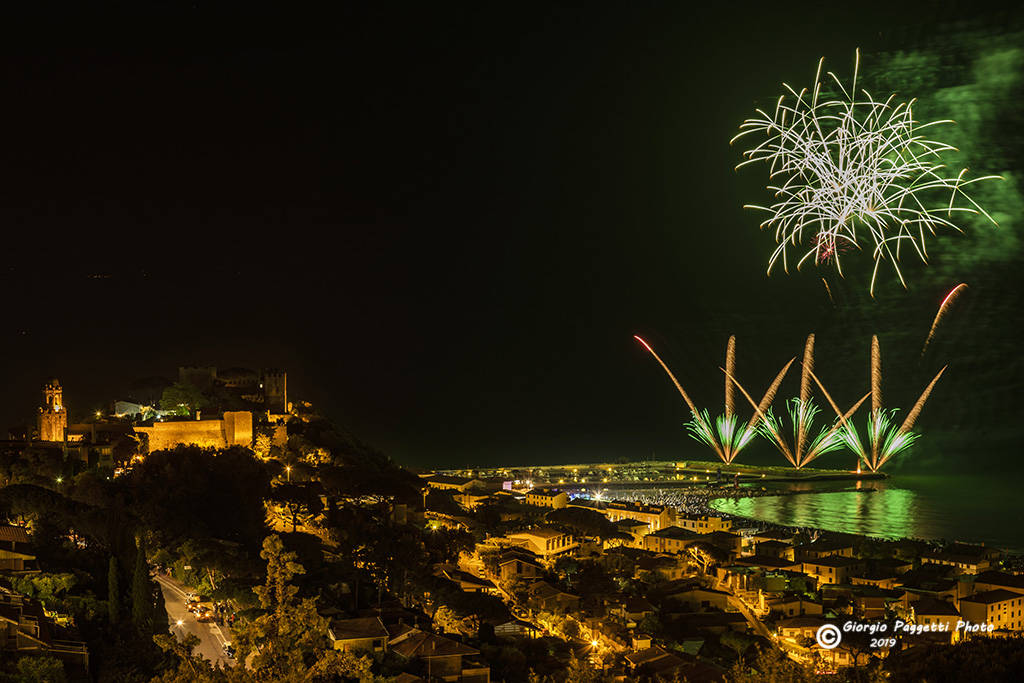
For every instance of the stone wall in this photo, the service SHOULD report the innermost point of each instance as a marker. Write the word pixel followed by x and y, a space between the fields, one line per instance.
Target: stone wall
pixel 235 429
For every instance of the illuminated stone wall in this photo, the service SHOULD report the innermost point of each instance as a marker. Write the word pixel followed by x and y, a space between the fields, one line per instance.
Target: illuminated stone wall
pixel 235 429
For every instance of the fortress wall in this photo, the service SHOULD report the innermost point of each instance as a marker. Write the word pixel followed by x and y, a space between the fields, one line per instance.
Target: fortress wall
pixel 234 430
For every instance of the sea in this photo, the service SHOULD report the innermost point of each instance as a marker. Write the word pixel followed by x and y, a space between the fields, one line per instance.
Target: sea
pixel 966 508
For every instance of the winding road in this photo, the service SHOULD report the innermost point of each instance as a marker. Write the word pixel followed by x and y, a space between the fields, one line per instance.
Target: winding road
pixel 211 636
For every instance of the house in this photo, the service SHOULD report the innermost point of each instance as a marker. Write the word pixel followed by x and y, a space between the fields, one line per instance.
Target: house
pixel 796 628
pixel 631 610
pixel 832 569
pixel 655 663
pixel 931 581
pixel 467 582
pixel 820 549
pixel 547 498
pixel 542 596
pixel 442 657
pixel 512 567
pixel 774 549
pixel 671 539
pixel 473 498
pixel 366 634
pixel 968 559
pixel 929 611
pixel 25 629
pixel 991 580
pixel 882 573
pixel 513 627
pixel 729 542
pixel 772 535
pixel 767 562
pixel 870 602
pixel 792 604
pixel 696 598
pixel 738 578
pixel 1002 608
pixel 635 529
pixel 703 524
pixel 15 555
pixel 655 516
pixel 459 484
pixel 666 566
pixel 545 542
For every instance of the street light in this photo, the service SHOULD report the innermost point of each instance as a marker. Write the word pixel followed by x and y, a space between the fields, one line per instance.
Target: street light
pixel 60 480
pixel 179 623
pixel 288 470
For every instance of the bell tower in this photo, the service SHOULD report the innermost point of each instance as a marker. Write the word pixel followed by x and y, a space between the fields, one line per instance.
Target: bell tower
pixel 53 414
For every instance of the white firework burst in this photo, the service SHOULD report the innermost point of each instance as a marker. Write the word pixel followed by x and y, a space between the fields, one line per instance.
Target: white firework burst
pixel 853 172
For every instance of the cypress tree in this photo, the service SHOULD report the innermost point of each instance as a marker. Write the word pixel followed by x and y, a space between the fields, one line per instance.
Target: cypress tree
pixel 142 592
pixel 113 592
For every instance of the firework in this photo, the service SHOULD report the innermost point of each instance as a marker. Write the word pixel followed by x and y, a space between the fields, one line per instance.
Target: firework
pixel 805 445
pixel 854 172
pixel 884 440
pixel 726 435
pixel 950 298
pixel 828 290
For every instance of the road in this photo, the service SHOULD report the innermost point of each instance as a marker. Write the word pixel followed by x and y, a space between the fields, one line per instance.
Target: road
pixel 211 637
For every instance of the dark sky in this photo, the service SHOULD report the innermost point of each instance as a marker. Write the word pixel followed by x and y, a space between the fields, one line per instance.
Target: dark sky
pixel 446 224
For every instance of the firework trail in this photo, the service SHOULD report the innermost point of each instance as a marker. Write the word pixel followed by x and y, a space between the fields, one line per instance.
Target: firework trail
pixel 724 433
pixel 876 375
pixel 950 298
pixel 885 439
pixel 854 172
pixel 919 406
pixel 730 366
pixel 805 445
pixel 828 290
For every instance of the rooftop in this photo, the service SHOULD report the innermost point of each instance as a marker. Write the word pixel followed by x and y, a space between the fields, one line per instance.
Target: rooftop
pixel 992 597
pixel 834 561
pixel 1000 579
pixel 539 532
pixel 676 532
pixel 931 607
pixel 356 629
pixel 16 534
pixel 545 493
pixel 411 642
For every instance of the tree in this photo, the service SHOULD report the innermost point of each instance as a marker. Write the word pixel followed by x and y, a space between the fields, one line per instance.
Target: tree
pixel 296 498
pixel 182 398
pixel 113 593
pixel 587 523
pixel 192 493
pixel 142 590
pixel 291 635
pixel 39 670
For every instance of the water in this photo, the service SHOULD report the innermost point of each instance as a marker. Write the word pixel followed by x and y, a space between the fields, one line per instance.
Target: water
pixel 971 508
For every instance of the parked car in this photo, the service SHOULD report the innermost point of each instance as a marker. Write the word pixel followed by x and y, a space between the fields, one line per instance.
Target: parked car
pixel 229 650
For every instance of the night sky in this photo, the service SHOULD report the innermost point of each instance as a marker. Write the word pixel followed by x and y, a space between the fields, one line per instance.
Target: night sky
pixel 447 224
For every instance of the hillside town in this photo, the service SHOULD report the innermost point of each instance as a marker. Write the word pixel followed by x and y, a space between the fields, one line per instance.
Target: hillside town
pixel 429 575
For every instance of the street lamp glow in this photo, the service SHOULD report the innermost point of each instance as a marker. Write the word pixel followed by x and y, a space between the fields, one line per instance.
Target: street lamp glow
pixel 180 622
pixel 60 480
pixel 593 643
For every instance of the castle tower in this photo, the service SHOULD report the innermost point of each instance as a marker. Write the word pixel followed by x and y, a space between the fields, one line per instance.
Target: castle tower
pixel 53 414
pixel 275 391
